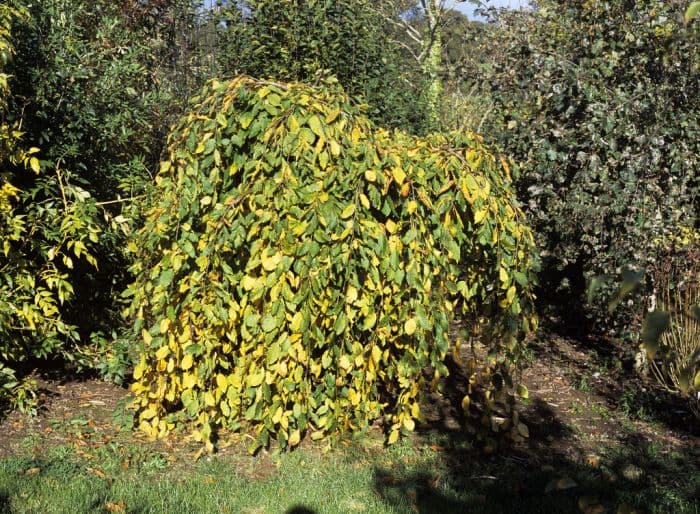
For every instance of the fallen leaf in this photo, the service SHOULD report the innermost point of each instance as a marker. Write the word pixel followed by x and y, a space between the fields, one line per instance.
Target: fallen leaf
pixel 115 507
pixel 97 472
pixel 593 460
pixel 32 471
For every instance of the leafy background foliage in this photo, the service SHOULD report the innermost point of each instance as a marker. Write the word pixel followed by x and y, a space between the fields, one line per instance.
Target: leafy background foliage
pixel 597 102
pixel 38 245
pixel 292 41
pixel 92 89
pixel 299 268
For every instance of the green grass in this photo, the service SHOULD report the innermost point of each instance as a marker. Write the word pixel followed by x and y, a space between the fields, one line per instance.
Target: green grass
pixel 439 475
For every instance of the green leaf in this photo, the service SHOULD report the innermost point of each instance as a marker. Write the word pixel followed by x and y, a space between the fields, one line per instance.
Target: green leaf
pixel 269 323
pixel 315 125
pixel 595 284
pixel 692 12
pixel 695 312
pixel 655 324
pixel 165 278
pixel 630 280
pixel 340 324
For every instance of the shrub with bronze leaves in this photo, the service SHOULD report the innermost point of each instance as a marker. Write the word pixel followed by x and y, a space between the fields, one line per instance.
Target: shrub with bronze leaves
pixel 299 267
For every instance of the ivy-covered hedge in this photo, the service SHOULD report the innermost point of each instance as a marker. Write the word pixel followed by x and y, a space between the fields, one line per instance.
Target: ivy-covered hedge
pixel 598 102
pixel 299 268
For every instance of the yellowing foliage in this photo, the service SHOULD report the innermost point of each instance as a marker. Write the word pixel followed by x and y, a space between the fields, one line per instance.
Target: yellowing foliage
pixel 299 267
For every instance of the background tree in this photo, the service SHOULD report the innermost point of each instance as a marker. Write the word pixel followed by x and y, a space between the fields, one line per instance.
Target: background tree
pixel 95 85
pixel 292 41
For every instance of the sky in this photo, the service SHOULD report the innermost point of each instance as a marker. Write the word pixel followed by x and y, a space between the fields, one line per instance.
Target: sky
pixel 468 8
pixel 465 7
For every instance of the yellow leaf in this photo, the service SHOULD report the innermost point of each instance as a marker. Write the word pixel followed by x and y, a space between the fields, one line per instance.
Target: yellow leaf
pixel 146 337
pixel 412 206
pixel 209 399
pixel 294 438
pixel 148 413
pixel 510 295
pixel 409 424
pixel 221 383
pixel 523 392
pixel 466 401
pixel 256 379
pixel 164 324
pixel 410 326
pixel 480 215
pixel 335 148
pixel 188 381
pixel 364 201
pixel 139 369
pixel 394 436
pixel 351 295
pixel 390 226
pixel 371 175
pixel 506 167
pixel 248 282
pixel 34 165
pixel 315 125
pixel 330 118
pixel 376 354
pixel 348 211
pixel 415 410
pixel 399 175
pixel 344 362
pixel 270 263
pixel 187 362
pixel 295 325
pixel 162 352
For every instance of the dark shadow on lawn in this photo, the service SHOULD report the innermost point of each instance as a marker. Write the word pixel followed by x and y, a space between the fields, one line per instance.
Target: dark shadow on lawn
pixel 300 509
pixel 5 504
pixel 547 474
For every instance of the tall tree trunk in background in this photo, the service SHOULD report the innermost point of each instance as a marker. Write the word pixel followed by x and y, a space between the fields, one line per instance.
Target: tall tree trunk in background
pixel 432 59
pixel 419 26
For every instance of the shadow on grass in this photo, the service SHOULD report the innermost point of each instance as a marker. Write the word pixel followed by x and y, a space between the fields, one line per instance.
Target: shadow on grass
pixel 549 473
pixel 300 509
